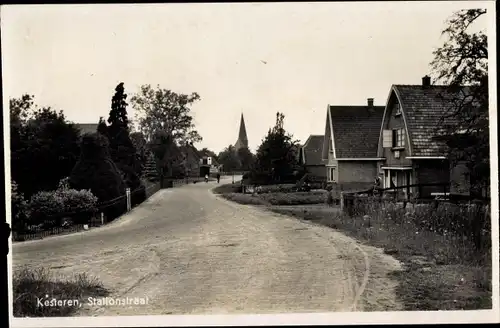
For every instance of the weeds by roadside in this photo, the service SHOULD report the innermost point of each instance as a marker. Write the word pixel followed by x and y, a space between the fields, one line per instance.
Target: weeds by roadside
pixel 37 293
pixel 440 272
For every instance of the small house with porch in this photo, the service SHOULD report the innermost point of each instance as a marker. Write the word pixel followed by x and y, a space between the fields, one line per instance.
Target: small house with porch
pixel 407 139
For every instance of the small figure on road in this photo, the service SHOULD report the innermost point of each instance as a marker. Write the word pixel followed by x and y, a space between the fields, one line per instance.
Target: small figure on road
pixel 206 177
pixel 218 177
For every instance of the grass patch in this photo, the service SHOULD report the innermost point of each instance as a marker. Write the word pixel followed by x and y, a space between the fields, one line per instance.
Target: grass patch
pixel 441 271
pixel 33 285
pixel 227 188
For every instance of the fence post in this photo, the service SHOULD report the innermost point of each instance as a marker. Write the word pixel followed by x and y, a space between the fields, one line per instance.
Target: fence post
pixel 341 201
pixel 128 200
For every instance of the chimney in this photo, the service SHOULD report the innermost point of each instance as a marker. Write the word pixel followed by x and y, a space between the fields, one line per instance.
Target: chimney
pixel 426 81
pixel 370 102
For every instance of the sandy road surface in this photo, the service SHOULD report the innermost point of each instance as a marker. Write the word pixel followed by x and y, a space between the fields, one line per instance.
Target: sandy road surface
pixel 190 252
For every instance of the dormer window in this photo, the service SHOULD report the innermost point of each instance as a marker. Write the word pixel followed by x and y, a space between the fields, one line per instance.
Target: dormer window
pixel 397 109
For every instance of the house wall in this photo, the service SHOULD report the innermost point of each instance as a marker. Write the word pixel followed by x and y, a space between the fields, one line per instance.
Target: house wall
pixel 356 175
pixel 316 170
pixel 395 122
pixel 432 171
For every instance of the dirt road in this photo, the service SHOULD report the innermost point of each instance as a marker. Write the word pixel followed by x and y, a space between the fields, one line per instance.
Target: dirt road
pixel 189 252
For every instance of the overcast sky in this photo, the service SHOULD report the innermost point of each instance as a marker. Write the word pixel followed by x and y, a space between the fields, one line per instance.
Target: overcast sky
pixel 71 57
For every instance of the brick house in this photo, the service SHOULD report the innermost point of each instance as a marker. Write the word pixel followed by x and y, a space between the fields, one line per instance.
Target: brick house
pixel 407 142
pixel 350 145
pixel 310 156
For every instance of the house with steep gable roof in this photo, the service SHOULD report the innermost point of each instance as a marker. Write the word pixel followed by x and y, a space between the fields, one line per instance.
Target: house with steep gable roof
pixel 407 138
pixel 311 156
pixel 350 145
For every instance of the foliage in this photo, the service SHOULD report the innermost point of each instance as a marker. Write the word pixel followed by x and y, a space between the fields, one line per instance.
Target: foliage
pixel 294 198
pixel 53 206
pixel 121 147
pixel 141 149
pixel 246 158
pixel 96 171
pixel 276 155
pixel 18 208
pixel 162 110
pixel 167 154
pixel 210 153
pixel 118 114
pixel 164 117
pixel 41 136
pixel 228 158
pixel 462 63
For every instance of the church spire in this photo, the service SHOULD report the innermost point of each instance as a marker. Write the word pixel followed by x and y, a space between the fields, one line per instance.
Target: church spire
pixel 242 141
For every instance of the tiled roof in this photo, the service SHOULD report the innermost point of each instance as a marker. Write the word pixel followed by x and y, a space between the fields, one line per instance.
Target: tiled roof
pixel 313 149
pixel 423 107
pixel 86 127
pixel 356 130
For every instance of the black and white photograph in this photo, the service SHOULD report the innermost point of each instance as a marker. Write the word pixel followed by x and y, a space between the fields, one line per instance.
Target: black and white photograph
pixel 190 164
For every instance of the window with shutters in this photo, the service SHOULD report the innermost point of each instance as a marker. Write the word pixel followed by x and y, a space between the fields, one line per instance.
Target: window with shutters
pixel 399 138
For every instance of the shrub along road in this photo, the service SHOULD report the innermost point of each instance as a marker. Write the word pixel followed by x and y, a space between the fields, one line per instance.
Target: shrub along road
pixel 190 252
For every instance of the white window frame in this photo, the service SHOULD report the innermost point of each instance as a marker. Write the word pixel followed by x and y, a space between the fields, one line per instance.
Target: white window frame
pixel 398 138
pixel 331 173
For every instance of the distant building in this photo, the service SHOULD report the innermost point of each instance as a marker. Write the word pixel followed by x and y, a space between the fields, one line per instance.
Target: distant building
pixel 208 164
pixel 310 155
pixel 242 141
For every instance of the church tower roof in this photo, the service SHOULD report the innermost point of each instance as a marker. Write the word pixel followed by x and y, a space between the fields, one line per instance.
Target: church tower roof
pixel 242 141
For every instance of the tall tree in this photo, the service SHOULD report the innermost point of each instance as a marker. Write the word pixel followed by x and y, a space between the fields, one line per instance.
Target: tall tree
pixel 246 158
pixel 462 63
pixel 164 117
pixel 277 153
pixel 141 148
pixel 162 110
pixel 96 171
pixel 44 146
pixel 121 147
pixel 118 114
pixel 229 159
pixel 166 153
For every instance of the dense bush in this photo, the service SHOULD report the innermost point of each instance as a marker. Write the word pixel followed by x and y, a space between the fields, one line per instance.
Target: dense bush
pixel 276 188
pixel 46 207
pixel 296 198
pixel 51 207
pixel 18 208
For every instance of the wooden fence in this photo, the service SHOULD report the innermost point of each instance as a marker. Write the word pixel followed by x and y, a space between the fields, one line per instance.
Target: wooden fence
pixel 404 195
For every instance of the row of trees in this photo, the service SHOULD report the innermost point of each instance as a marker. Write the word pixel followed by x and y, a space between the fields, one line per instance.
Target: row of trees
pixel 46 148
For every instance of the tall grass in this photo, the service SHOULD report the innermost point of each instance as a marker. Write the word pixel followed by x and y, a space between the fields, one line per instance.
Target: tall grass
pixel 443 270
pixel 31 287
